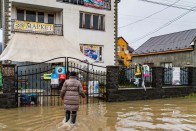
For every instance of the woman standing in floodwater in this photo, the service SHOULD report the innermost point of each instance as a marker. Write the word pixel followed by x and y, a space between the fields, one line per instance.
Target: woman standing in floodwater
pixel 70 92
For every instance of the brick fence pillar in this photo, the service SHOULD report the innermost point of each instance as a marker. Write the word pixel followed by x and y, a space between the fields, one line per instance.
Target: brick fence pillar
pixel 112 83
pixel 157 77
pixel 8 98
pixel 192 76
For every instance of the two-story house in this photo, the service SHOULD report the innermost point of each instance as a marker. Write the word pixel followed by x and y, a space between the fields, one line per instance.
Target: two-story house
pixel 124 52
pixel 45 29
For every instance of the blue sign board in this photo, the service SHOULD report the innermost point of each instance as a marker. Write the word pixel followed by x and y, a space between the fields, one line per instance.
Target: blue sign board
pixel 60 70
pixel 54 76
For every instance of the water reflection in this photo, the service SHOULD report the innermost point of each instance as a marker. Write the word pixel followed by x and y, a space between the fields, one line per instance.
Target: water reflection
pixel 158 115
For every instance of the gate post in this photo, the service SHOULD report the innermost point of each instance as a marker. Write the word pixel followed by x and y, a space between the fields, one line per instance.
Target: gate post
pixel 112 83
pixel 8 98
pixel 157 77
pixel 192 76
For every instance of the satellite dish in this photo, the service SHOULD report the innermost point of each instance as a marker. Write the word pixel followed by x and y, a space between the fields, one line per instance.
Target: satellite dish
pixel 126 52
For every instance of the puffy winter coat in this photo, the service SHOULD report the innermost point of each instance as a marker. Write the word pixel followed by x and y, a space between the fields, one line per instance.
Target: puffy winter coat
pixel 70 92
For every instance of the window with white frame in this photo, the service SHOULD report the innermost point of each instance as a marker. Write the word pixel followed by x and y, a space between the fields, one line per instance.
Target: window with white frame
pixel 93 51
pixel 92 21
pixel 33 16
pixel 123 48
pixel 118 48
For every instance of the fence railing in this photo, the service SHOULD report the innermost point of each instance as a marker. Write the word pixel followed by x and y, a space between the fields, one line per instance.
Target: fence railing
pixel 171 77
pixel 182 75
pixel 127 78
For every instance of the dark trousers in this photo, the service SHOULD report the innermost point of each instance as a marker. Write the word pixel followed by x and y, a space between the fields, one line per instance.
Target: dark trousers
pixel 72 114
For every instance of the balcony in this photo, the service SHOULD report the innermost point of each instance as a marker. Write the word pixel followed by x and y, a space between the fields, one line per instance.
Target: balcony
pixel 36 27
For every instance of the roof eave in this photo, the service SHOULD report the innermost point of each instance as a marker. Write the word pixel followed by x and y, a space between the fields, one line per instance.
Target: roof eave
pixel 163 52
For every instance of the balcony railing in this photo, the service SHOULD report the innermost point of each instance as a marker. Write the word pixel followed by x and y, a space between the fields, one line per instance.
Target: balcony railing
pixel 36 27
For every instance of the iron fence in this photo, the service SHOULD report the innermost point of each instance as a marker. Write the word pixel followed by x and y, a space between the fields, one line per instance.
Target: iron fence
pixel 183 75
pixel 92 77
pixel 34 82
pixel 127 78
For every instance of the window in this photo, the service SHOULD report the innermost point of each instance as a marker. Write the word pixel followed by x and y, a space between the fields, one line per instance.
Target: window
pixel 87 21
pixel 20 14
pixel 50 19
pixel 31 16
pixel 41 17
pixel 92 21
pixel 166 65
pixel 81 18
pixel 149 64
pixel 102 23
pixel 123 48
pixel 34 16
pixel 118 48
pixel 95 22
pixel 93 51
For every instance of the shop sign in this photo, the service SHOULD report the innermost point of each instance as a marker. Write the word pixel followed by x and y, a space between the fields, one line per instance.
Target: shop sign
pixel 101 4
pixel 176 76
pixel 54 79
pixel 62 76
pixel 47 76
pixel 60 70
pixel 33 26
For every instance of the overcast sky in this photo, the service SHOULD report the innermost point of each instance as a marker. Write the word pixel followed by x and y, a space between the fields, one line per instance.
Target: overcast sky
pixel 131 11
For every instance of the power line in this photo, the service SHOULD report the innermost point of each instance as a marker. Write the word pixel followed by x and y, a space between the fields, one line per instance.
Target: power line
pixel 149 15
pixel 164 4
pixel 163 26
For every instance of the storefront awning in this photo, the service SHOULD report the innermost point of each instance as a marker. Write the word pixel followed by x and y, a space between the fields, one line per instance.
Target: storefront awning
pixel 26 47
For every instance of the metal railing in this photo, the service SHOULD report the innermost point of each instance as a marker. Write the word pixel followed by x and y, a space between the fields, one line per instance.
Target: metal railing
pixel 127 78
pixel 58 29
pixel 168 76
pixel 34 89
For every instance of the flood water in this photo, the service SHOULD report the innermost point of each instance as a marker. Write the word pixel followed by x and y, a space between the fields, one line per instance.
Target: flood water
pixel 177 114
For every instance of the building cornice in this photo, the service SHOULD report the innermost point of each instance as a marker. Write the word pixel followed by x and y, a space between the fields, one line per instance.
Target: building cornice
pixel 163 52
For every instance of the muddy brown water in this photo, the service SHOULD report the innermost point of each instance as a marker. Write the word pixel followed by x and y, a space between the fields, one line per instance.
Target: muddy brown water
pixel 178 114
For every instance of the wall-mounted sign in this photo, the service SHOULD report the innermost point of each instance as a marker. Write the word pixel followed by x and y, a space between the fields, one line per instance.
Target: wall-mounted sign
pixel 92 51
pixel 54 79
pixel 33 26
pixel 101 4
pixel 176 76
pixel 60 70
pixel 62 76
pixel 47 76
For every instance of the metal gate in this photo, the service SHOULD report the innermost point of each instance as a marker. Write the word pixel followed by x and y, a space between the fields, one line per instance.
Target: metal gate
pixel 34 86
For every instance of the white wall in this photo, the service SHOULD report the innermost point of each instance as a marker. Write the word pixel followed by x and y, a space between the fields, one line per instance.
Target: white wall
pixel 1 35
pixel 84 36
pixel 77 36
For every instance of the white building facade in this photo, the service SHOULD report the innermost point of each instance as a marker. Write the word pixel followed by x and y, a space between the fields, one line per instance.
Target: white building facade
pixel 86 24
